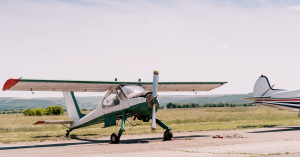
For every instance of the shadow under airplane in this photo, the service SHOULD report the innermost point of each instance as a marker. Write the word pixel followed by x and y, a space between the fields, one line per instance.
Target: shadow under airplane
pixel 87 141
pixel 278 129
pixel 256 126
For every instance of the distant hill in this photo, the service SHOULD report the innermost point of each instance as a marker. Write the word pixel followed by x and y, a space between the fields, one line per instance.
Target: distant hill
pixel 23 103
pixel 19 103
pixel 234 98
pixel 93 102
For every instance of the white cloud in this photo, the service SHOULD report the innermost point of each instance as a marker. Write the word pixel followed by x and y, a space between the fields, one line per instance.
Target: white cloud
pixel 219 48
pixel 293 8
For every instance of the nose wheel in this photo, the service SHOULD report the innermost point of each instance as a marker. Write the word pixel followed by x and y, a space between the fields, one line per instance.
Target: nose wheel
pixel 114 138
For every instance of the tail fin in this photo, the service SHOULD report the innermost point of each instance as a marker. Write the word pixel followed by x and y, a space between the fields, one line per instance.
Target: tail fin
pixel 261 86
pixel 72 106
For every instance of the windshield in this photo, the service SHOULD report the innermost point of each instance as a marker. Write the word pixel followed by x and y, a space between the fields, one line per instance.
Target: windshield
pixel 133 90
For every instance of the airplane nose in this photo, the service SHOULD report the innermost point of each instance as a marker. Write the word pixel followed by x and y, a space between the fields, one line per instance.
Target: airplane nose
pixel 149 101
pixel 144 108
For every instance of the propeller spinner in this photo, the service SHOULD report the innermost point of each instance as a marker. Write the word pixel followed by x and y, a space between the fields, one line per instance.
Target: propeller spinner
pixel 154 93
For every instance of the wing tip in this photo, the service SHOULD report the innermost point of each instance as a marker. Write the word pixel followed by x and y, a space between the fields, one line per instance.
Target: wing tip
pixel 10 83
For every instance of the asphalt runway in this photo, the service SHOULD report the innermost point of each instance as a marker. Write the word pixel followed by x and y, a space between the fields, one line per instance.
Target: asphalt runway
pixel 276 141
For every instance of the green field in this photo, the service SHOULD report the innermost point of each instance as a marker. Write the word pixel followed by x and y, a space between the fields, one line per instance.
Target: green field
pixel 16 127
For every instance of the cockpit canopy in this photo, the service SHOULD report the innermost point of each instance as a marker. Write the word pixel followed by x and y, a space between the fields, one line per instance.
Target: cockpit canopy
pixel 132 91
pixel 122 92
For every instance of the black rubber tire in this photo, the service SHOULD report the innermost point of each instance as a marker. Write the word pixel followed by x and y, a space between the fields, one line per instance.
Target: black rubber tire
pixel 169 136
pixel 114 138
pixel 67 134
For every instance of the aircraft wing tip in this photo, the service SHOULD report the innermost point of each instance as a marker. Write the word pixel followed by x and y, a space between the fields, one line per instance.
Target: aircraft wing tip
pixel 10 83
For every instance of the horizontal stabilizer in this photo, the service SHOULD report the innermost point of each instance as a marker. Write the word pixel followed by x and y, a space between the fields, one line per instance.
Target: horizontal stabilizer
pixel 54 122
pixel 256 98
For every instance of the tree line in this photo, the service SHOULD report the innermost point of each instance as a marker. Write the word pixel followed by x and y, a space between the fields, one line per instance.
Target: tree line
pixel 13 111
pixel 49 110
pixel 194 105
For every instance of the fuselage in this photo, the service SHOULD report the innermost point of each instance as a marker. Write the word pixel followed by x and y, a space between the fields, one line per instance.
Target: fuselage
pixel 114 103
pixel 284 98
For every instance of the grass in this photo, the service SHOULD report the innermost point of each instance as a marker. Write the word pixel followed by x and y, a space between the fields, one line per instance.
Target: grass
pixel 16 127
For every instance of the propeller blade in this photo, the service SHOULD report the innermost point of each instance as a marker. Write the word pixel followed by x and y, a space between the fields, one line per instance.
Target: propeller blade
pixel 154 93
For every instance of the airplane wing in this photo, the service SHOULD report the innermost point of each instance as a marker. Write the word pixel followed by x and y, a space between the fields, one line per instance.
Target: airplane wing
pixel 184 86
pixel 54 122
pixel 102 86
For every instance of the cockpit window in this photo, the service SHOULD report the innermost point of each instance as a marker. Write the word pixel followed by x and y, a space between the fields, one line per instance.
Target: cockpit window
pixel 111 100
pixel 133 90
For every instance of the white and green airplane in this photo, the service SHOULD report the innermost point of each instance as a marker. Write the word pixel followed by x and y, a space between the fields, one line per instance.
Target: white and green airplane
pixel 122 100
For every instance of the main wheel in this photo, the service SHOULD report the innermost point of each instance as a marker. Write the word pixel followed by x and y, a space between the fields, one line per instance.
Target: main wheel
pixel 169 136
pixel 114 138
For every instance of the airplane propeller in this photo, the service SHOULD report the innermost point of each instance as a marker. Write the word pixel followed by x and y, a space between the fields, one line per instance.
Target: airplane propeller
pixel 154 100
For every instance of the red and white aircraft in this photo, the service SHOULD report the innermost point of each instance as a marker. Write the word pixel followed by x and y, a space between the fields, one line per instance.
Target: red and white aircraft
pixel 264 94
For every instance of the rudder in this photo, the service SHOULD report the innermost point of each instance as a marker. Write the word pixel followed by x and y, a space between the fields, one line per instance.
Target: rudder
pixel 261 86
pixel 72 106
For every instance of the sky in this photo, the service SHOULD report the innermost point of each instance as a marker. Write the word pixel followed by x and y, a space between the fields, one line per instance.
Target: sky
pixel 185 40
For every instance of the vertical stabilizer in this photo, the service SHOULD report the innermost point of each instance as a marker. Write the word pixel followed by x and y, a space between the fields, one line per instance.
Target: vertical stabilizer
pixel 72 106
pixel 261 86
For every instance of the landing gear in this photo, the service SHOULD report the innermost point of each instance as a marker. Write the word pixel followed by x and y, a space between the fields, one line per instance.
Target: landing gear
pixel 114 138
pixel 68 133
pixel 168 135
